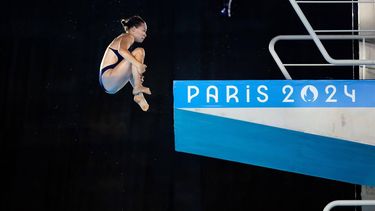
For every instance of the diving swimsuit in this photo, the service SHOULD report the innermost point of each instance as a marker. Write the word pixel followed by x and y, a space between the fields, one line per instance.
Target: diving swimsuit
pixel 102 71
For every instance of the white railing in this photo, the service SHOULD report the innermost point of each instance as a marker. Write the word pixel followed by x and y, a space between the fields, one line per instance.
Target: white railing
pixel 346 203
pixel 317 40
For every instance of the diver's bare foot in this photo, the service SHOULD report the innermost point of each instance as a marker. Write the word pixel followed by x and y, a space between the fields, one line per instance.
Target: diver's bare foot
pixel 141 101
pixel 141 89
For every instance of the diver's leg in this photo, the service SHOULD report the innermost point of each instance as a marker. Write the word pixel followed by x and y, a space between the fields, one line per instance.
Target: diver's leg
pixel 141 101
pixel 139 54
pixel 139 98
pixel 115 79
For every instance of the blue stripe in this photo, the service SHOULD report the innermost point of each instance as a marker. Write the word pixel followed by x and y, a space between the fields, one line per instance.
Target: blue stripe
pixel 275 148
pixel 274 93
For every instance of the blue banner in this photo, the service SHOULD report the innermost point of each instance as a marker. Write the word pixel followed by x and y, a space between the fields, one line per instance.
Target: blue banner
pixel 274 93
pixel 261 123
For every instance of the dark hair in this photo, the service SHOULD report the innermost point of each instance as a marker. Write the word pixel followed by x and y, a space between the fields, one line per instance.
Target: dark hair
pixel 132 21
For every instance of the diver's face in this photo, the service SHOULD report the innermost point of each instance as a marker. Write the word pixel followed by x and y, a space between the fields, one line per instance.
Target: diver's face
pixel 139 32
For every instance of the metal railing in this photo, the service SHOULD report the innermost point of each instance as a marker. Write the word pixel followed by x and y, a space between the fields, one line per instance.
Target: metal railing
pixel 317 40
pixel 346 203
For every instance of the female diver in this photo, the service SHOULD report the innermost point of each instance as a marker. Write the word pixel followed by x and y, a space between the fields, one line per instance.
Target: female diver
pixel 120 64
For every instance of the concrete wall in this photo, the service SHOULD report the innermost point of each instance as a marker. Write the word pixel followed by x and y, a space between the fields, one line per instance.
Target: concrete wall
pixel 366 21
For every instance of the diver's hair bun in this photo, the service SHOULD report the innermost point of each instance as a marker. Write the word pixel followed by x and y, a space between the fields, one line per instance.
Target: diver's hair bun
pixel 132 21
pixel 123 22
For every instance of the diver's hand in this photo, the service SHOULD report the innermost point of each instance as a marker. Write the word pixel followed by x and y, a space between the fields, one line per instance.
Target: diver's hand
pixel 141 68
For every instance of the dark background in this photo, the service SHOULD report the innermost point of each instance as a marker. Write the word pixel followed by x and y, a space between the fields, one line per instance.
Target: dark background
pixel 67 145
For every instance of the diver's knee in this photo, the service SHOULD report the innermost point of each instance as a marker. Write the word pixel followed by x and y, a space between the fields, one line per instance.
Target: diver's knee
pixel 139 52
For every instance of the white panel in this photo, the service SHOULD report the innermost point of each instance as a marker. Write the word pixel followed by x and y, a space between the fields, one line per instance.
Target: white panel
pixel 354 124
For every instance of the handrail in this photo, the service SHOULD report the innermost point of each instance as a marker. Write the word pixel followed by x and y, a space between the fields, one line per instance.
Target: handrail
pixel 334 2
pixel 318 43
pixel 347 30
pixel 336 203
pixel 271 48
pixel 312 35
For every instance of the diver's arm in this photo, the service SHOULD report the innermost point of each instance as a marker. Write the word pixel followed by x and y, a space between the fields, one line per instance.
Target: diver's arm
pixel 125 42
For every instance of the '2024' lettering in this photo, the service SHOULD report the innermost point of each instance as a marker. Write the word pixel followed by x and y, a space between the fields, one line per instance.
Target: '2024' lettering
pixel 309 93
